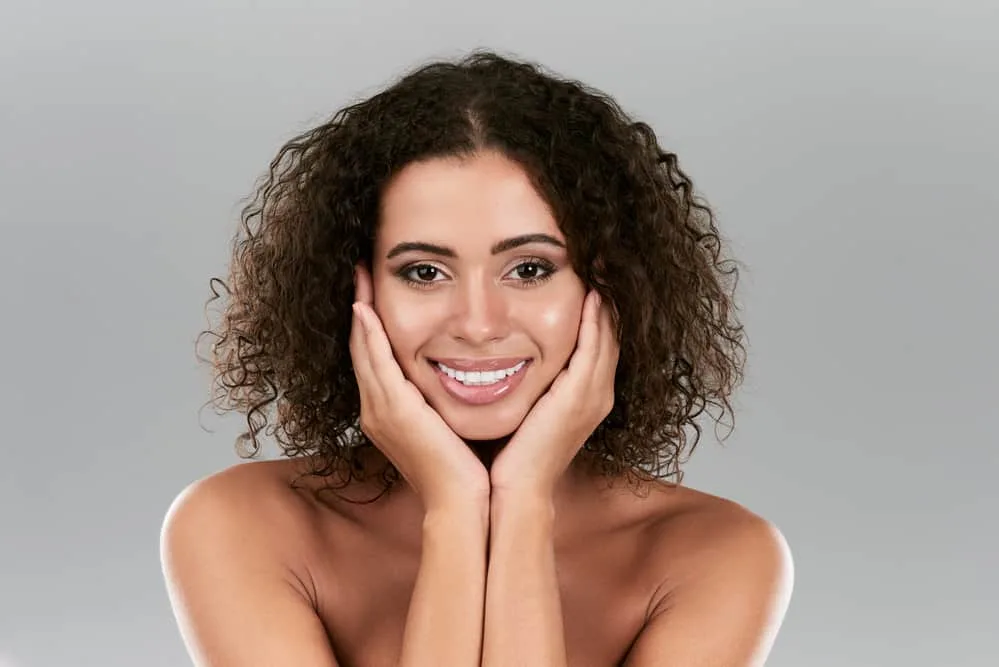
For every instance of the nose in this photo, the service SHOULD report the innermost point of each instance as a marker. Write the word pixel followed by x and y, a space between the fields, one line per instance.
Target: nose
pixel 479 312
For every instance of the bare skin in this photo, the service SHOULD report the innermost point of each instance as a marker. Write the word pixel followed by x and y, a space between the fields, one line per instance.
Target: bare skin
pixel 261 573
pixel 357 563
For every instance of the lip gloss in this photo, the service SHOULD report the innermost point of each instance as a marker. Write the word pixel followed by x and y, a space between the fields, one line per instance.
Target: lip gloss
pixel 481 394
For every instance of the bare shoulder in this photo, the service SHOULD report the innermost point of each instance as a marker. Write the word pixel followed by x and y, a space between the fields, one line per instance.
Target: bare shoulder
pixel 254 498
pixel 253 502
pixel 231 547
pixel 724 572
pixel 691 524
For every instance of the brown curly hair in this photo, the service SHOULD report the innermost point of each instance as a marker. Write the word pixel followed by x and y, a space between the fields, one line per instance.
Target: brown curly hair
pixel 634 227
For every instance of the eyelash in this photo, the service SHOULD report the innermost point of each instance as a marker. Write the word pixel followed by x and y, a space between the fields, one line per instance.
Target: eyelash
pixel 545 265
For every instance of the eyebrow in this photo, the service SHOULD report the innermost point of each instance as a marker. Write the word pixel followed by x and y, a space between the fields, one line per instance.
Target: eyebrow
pixel 500 247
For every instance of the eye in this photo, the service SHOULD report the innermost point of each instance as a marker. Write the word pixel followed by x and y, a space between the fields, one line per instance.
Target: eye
pixel 424 272
pixel 420 275
pixel 534 271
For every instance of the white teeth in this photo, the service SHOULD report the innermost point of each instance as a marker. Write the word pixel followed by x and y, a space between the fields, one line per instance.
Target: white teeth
pixel 480 378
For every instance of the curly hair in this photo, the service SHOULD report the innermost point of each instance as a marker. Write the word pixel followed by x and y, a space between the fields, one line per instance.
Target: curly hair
pixel 635 230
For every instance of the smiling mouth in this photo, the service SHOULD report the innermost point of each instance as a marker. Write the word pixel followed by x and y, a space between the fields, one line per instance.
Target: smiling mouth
pixel 478 374
pixel 480 387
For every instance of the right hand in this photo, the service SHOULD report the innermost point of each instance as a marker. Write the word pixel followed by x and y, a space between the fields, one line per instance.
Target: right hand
pixel 437 463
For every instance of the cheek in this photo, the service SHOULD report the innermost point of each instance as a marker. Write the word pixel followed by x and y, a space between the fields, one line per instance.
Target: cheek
pixel 557 326
pixel 405 325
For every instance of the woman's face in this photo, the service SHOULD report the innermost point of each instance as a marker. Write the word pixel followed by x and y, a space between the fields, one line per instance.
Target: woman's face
pixel 470 268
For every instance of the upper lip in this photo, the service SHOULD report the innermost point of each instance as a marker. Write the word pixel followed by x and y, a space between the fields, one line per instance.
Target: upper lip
pixel 481 364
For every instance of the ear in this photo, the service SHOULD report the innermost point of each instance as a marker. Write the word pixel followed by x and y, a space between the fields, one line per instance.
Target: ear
pixel 363 287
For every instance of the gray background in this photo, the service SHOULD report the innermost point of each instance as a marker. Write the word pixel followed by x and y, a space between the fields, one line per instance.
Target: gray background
pixel 851 150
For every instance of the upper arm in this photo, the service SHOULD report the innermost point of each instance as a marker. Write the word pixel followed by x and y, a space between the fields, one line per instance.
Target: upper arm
pixel 725 611
pixel 235 602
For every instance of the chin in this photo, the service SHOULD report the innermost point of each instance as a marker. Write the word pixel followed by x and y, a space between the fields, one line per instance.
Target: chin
pixel 483 427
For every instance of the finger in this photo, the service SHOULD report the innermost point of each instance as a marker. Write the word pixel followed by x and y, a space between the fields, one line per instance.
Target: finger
pixel 606 354
pixel 587 340
pixel 360 348
pixel 380 356
pixel 593 336
pixel 360 356
pixel 356 331
pixel 615 320
pixel 600 316
pixel 609 344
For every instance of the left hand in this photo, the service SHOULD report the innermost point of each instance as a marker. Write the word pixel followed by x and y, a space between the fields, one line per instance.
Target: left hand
pixel 558 425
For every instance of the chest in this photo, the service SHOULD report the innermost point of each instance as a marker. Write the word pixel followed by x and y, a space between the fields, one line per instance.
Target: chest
pixel 365 588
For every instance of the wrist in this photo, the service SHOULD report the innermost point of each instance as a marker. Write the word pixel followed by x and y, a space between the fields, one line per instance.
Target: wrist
pixel 468 509
pixel 529 501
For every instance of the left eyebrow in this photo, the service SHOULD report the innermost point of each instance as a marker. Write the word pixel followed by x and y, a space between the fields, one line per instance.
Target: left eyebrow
pixel 500 247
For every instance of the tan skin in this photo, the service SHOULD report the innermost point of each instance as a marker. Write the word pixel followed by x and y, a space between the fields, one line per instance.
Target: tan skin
pixel 670 576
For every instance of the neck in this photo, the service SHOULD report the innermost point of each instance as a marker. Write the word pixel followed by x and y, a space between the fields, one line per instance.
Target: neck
pixel 487 450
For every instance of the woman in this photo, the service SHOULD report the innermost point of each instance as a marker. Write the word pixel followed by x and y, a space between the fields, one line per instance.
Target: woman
pixel 486 305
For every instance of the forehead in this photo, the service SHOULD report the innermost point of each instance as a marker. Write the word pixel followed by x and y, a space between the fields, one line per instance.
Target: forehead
pixel 465 202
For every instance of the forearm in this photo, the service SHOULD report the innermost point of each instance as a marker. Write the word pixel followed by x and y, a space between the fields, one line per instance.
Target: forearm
pixel 523 609
pixel 444 622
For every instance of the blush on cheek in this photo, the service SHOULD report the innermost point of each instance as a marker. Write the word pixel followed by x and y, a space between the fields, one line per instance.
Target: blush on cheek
pixel 560 317
pixel 557 330
pixel 407 327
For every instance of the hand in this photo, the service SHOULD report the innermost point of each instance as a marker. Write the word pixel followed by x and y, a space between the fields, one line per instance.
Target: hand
pixel 558 425
pixel 402 425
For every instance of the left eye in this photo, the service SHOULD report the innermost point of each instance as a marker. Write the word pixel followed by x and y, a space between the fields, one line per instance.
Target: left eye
pixel 527 270
pixel 531 270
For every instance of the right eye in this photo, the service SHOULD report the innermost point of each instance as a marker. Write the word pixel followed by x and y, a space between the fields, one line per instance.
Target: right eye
pixel 420 275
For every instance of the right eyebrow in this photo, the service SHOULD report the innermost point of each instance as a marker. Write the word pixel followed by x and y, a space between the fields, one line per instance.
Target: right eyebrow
pixel 410 246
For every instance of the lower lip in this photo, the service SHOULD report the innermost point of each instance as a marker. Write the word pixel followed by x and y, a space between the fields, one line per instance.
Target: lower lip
pixel 484 394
